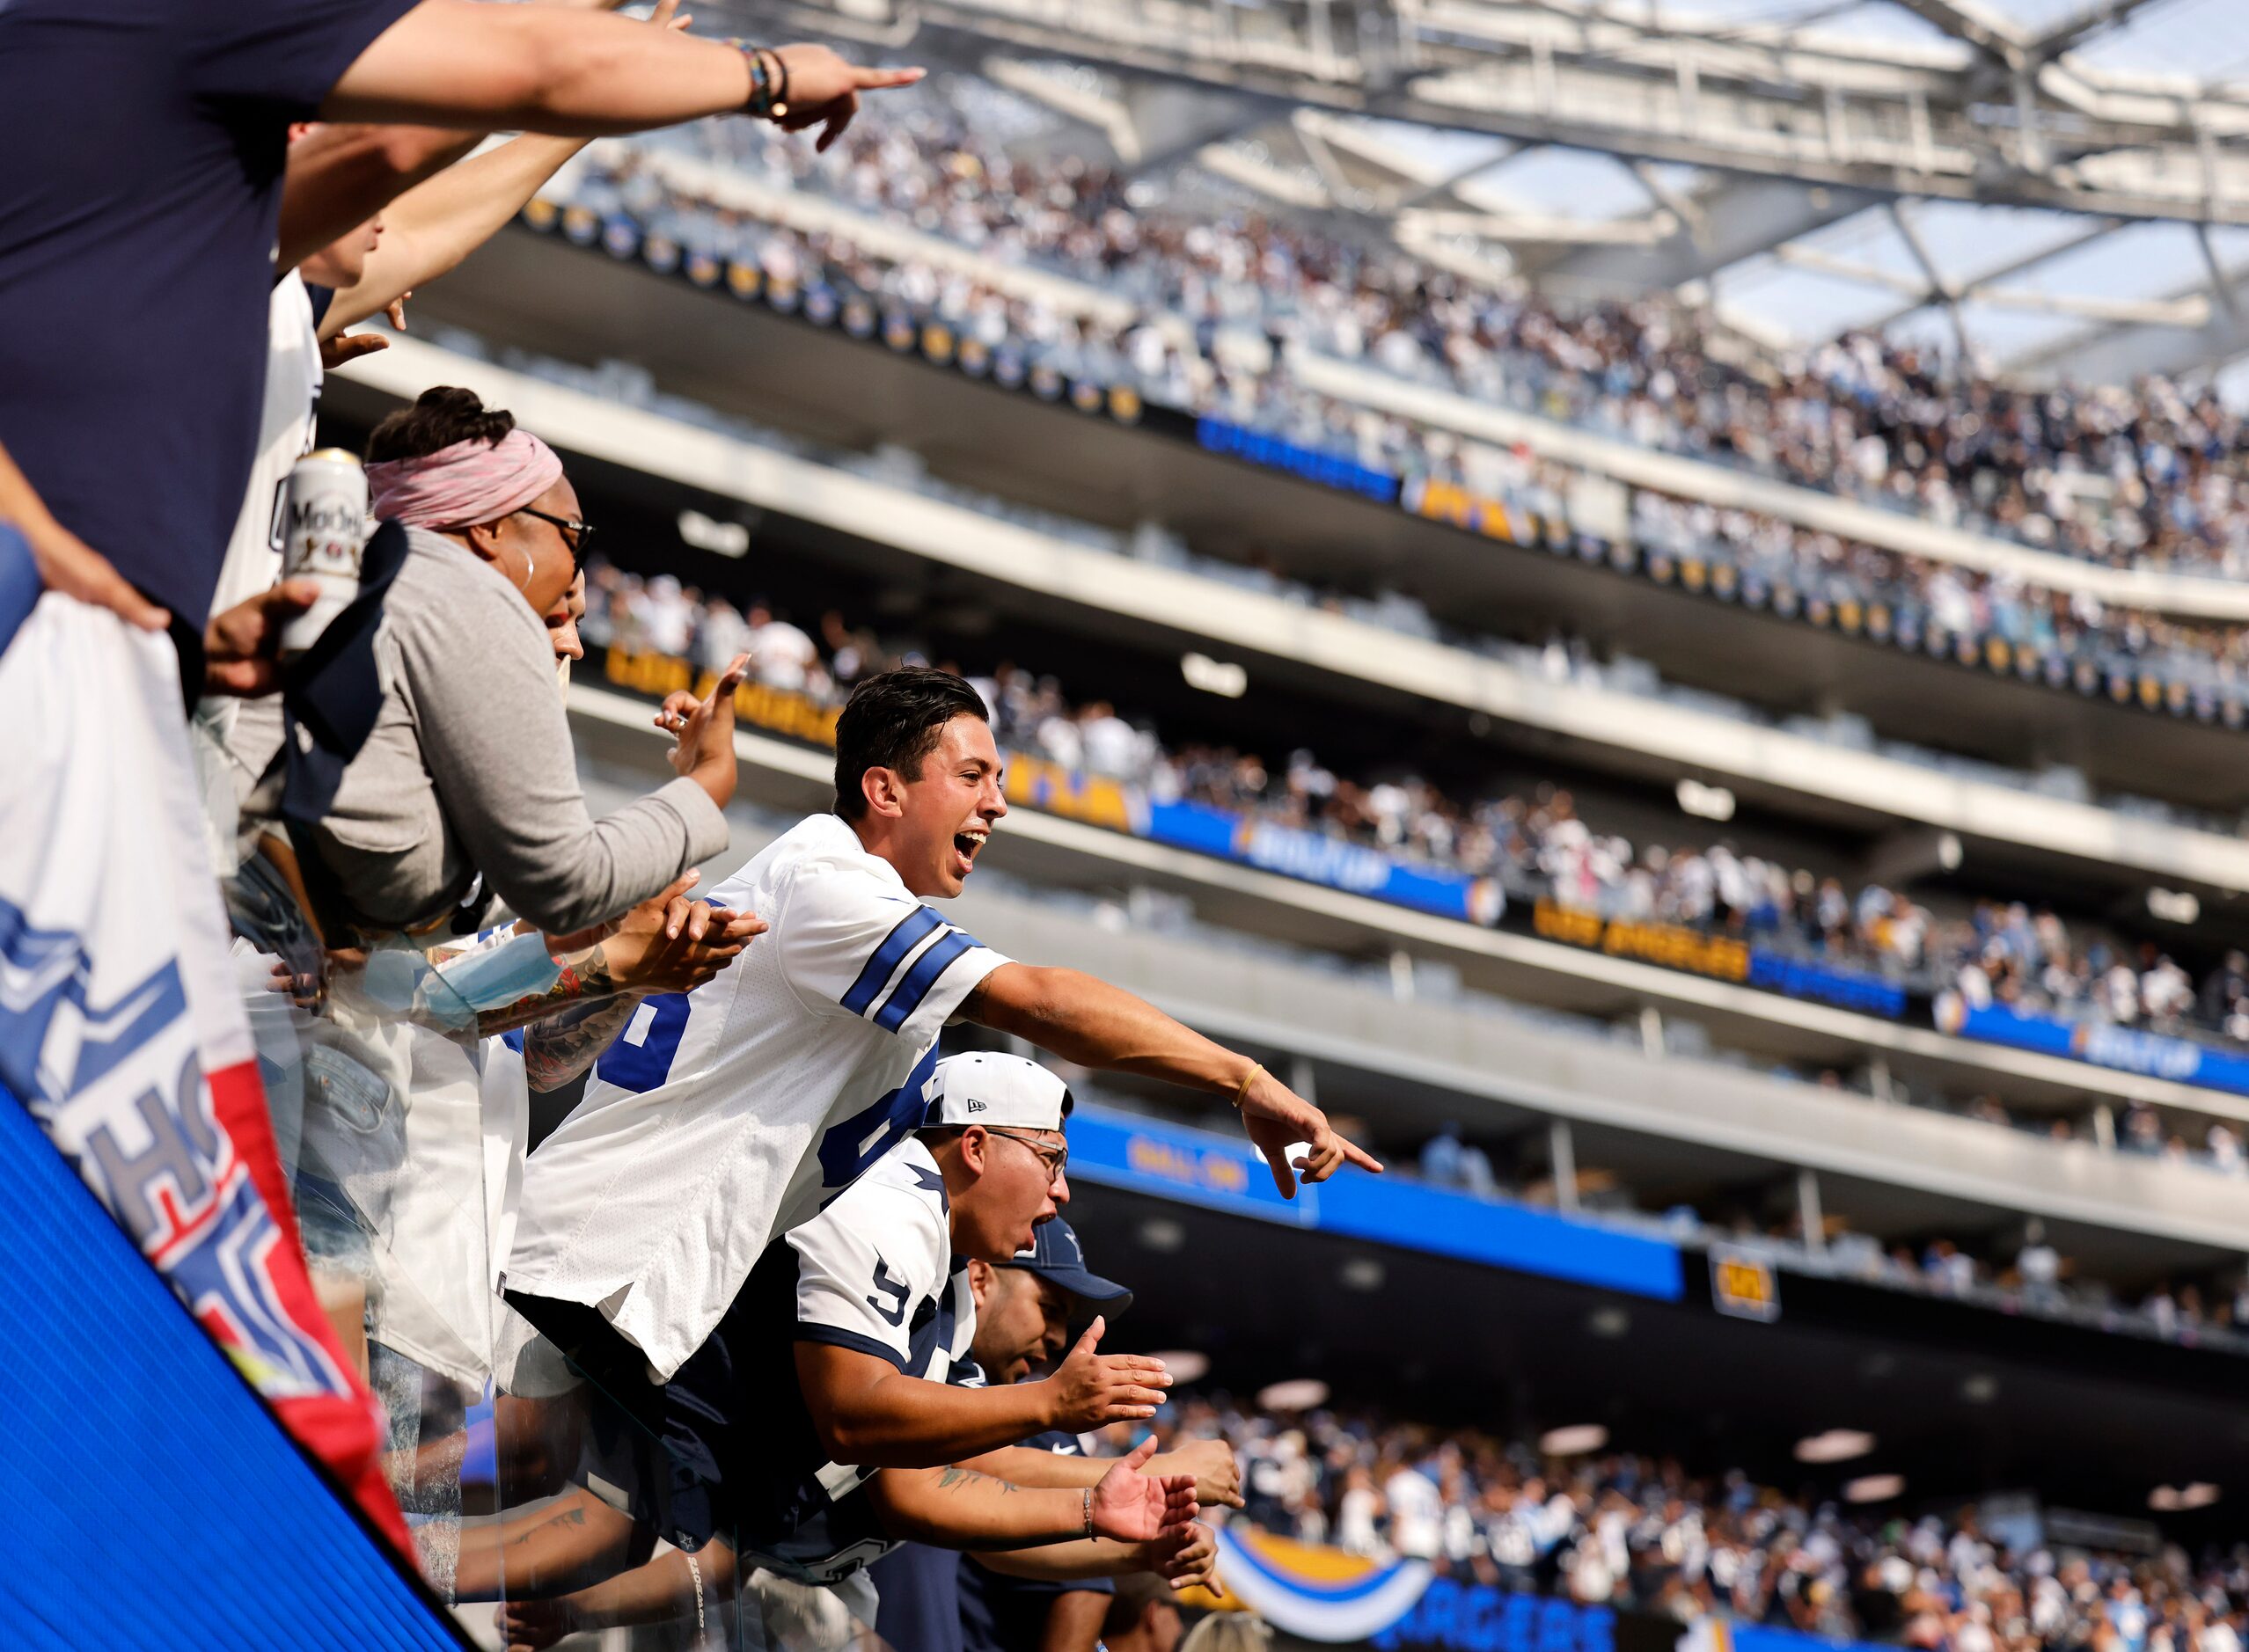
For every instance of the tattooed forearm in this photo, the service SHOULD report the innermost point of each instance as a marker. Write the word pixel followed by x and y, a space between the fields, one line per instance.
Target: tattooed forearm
pixel 566 1043
pixel 567 1517
pixel 585 977
pixel 954 1478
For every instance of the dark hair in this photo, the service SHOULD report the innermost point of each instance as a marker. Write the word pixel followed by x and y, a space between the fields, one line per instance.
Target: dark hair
pixel 893 720
pixel 438 419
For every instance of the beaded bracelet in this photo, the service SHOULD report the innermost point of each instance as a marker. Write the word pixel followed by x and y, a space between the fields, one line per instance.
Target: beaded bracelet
pixel 762 103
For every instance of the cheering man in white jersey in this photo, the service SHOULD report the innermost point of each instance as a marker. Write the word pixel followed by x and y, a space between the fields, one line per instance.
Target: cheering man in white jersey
pixel 723 1117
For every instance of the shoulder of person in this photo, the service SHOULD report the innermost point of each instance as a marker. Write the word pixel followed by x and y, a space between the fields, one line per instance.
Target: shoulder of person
pixel 894 1212
pixel 906 1178
pixel 445 592
pixel 829 866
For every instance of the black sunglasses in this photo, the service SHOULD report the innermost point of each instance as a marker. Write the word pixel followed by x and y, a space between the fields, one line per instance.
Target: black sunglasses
pixel 577 535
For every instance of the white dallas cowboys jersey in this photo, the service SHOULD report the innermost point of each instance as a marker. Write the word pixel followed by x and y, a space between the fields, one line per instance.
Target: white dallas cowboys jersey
pixel 874 1273
pixel 285 431
pixel 723 1117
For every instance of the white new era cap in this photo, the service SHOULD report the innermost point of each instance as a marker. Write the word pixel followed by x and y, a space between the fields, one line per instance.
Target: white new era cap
pixel 983 1088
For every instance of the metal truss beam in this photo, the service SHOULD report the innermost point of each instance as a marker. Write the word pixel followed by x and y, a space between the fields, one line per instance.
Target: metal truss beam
pixel 1831 111
pixel 1730 220
pixel 2197 329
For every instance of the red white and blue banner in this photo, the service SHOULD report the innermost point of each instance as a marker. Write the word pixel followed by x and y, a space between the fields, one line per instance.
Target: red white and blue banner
pixel 120 1032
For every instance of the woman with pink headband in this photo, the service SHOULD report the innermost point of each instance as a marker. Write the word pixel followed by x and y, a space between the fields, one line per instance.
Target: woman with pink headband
pixel 468 791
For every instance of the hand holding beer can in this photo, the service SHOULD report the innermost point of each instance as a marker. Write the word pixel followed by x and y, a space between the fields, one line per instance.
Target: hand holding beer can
pixel 325 531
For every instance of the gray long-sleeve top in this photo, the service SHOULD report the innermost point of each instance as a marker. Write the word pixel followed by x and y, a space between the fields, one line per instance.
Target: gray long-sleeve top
pixel 470 770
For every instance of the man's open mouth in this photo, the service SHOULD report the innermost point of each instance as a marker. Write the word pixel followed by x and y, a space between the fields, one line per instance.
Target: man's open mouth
pixel 969 843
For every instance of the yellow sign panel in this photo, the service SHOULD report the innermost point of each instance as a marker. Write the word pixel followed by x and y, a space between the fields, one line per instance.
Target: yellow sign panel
pixel 1672 946
pixel 1744 1286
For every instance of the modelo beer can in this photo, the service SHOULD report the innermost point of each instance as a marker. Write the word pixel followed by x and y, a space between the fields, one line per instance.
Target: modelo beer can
pixel 324 532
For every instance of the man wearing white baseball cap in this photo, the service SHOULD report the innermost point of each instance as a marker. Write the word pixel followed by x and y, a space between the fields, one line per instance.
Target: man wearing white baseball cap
pixel 934 1600
pixel 814 1471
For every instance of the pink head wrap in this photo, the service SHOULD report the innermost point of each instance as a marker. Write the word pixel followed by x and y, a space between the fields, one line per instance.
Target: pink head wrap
pixel 470 482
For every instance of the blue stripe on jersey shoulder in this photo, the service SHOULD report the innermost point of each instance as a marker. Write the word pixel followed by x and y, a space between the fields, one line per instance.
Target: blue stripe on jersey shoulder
pixel 917 981
pixel 901 940
pixel 837 1336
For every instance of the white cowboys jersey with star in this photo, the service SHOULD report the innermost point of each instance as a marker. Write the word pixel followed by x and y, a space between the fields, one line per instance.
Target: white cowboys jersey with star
pixel 725 1116
pixel 875 1273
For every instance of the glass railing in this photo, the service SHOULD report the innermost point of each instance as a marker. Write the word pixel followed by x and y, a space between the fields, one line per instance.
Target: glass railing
pixel 543 1495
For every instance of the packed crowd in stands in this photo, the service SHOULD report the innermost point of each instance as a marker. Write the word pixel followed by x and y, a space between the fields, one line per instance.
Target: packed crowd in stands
pixel 2146 475
pixel 1550 657
pixel 1994 952
pixel 1646 1533
pixel 2102 473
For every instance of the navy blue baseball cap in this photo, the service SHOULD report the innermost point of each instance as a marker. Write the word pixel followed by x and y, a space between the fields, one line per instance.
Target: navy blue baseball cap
pixel 1056 1256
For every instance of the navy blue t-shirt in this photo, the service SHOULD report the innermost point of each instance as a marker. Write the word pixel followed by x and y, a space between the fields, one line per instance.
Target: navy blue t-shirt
pixel 917 1598
pixel 142 145
pixel 1003 1613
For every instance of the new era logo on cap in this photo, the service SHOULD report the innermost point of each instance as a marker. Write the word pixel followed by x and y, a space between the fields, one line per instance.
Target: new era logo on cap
pixel 997 1090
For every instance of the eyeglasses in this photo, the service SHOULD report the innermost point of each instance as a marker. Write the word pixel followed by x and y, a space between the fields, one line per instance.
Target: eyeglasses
pixel 1054 1156
pixel 576 534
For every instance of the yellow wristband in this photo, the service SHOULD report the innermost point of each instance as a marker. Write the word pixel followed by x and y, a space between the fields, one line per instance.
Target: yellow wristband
pixel 1257 1071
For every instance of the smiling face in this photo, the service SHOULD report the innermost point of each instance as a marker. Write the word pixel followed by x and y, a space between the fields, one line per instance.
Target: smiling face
pixel 945 813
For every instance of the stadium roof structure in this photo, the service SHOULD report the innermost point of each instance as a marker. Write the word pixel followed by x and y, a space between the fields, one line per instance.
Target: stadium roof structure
pixel 2059 186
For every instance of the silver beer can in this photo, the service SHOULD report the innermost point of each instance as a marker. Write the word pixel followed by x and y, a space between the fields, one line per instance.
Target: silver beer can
pixel 324 533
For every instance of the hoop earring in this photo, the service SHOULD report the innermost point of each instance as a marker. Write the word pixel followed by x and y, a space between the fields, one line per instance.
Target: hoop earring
pixel 531 570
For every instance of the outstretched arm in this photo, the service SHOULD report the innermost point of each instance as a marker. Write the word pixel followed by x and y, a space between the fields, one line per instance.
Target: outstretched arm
pixel 342 174
pixel 1183 1559
pixel 431 228
pixel 958 1509
pixel 868 1412
pixel 1209 1464
pixel 435 224
pixel 572 73
pixel 1085 1020
pixel 668 1589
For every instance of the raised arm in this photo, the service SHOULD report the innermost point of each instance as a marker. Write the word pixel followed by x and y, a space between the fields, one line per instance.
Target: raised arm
pixel 869 1414
pixel 1087 1021
pixel 574 74
pixel 435 223
pixel 343 174
pixel 431 228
